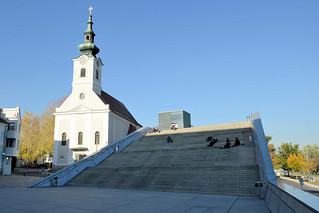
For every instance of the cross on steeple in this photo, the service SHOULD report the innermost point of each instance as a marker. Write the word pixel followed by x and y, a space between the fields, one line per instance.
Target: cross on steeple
pixel 90 9
pixel 88 47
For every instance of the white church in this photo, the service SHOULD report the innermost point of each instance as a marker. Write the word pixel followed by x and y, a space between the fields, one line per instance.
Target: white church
pixel 89 119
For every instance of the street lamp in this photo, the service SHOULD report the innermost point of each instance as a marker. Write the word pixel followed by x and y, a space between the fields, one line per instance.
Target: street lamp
pixel 308 161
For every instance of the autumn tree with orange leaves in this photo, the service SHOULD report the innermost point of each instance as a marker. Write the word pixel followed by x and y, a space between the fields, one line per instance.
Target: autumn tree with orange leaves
pixel 272 152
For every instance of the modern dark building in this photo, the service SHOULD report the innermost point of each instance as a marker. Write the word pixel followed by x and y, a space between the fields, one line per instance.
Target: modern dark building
pixel 179 118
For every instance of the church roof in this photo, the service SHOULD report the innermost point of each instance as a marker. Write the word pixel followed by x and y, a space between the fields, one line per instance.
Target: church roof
pixel 117 107
pixel 3 121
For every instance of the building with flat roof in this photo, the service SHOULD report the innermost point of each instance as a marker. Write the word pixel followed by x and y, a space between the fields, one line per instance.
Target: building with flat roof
pixel 10 131
pixel 178 118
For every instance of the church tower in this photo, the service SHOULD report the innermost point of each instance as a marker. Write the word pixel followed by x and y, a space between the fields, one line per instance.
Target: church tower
pixel 89 119
pixel 87 67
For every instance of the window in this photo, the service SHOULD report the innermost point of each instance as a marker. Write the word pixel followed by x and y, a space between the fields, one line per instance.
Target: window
pixel 82 96
pixel 97 138
pixel 80 138
pixel 79 157
pixel 11 127
pixel 63 139
pixel 97 74
pixel 83 72
pixel 10 142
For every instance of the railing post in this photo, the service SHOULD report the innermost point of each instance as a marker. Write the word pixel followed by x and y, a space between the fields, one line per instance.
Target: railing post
pixel 54 182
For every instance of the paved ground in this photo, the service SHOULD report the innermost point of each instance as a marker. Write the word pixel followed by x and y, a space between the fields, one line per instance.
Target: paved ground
pixel 15 197
pixel 15 181
pixel 295 183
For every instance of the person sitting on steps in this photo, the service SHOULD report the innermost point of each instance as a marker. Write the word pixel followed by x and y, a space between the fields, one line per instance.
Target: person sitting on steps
pixel 169 140
pixel 237 142
pixel 174 127
pixel 227 145
pixel 211 140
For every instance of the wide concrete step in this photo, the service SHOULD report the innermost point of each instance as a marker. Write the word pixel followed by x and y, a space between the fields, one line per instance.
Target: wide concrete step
pixel 186 165
pixel 193 139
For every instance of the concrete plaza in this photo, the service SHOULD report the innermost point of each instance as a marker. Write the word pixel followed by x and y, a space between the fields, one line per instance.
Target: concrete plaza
pixel 15 197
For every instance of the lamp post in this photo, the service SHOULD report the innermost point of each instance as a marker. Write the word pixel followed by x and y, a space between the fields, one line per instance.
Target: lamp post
pixel 308 161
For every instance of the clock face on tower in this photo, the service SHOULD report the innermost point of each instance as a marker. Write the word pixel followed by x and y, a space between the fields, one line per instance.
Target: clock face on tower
pixel 83 60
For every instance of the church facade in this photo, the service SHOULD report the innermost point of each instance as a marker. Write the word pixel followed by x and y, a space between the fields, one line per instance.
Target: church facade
pixel 89 119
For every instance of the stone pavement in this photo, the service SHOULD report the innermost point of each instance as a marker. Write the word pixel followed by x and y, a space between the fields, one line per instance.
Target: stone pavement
pixel 14 181
pixel 15 197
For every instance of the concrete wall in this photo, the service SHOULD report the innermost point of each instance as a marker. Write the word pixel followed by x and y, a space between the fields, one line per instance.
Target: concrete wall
pixel 118 127
pixel 280 201
pixel 266 168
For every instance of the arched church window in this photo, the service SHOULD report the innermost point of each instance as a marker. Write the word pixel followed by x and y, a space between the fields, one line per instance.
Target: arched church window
pixel 63 139
pixel 80 138
pixel 82 96
pixel 83 72
pixel 97 138
pixel 97 74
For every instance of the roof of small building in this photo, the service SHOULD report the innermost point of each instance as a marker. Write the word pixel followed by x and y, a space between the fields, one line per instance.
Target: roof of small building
pixel 3 121
pixel 117 107
pixel 131 129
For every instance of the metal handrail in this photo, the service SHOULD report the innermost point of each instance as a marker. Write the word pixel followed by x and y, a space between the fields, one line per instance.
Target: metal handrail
pixel 64 175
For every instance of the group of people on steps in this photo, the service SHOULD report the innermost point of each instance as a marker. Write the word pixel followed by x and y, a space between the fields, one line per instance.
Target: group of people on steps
pixel 211 140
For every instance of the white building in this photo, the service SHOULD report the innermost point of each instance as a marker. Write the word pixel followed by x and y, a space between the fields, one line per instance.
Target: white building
pixel 10 131
pixel 89 118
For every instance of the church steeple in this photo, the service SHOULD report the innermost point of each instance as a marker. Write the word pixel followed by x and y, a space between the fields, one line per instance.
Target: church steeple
pixel 88 47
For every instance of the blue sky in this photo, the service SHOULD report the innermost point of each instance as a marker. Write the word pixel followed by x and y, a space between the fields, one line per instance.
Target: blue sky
pixel 218 60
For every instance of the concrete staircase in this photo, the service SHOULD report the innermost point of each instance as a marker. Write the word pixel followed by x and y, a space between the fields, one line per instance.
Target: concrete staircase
pixel 186 165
